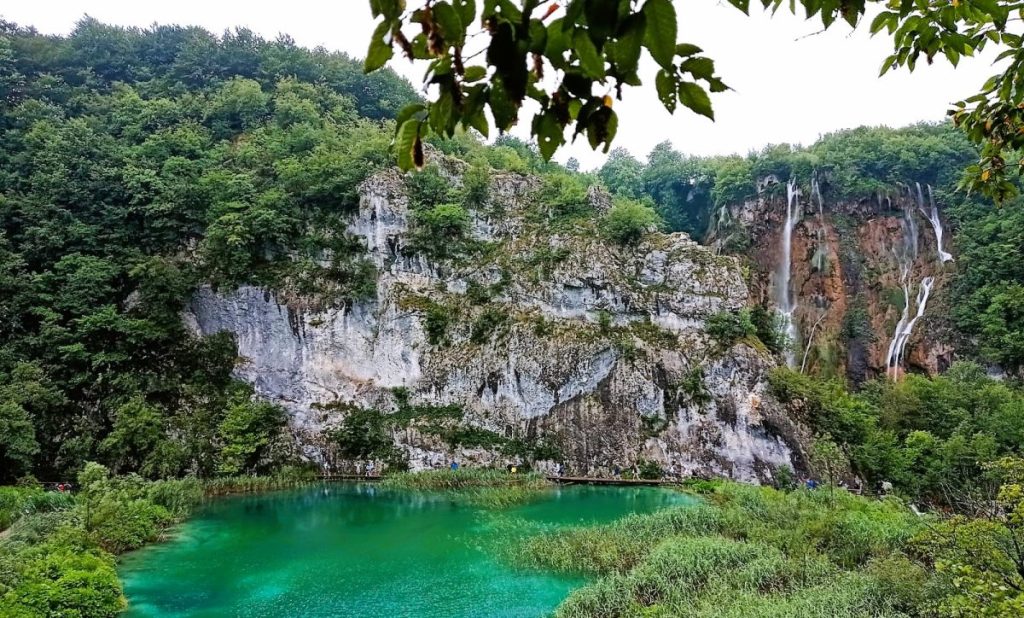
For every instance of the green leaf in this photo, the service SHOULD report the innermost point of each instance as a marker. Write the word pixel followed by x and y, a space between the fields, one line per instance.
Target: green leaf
pixel 602 17
pixel 390 9
pixel 474 74
pixel 413 110
pixel 538 36
pixel 886 65
pixel 466 10
pixel 406 142
pixel 380 50
pixel 699 67
pixel 880 21
pixel 450 23
pixel 687 49
pixel 549 134
pixel 666 86
pixel 504 108
pixel 591 61
pixel 660 33
pixel 627 48
pixel 693 96
pixel 952 55
pixel 557 44
pixel 602 125
pixel 441 113
pixel 473 109
pixel 717 85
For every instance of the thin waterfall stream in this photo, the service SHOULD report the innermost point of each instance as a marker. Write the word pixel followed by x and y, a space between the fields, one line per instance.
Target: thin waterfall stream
pixel 784 298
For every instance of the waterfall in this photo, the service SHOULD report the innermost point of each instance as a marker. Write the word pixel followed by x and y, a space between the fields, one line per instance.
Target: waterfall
pixel 904 329
pixel 784 299
pixel 816 193
pixel 932 214
pixel 905 258
pixel 716 232
pixel 820 259
pixel 910 228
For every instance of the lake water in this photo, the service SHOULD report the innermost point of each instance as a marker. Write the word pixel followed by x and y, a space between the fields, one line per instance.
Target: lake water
pixel 357 550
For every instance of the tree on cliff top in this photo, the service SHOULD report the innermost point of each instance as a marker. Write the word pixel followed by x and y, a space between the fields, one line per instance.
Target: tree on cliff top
pixel 556 53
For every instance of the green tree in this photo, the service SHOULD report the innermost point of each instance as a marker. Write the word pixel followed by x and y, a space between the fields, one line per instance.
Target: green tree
pixel 628 221
pixel 982 558
pixel 364 434
pixel 17 441
pixel 622 174
pixel 596 45
pixel 248 434
pixel 137 432
pixel 440 231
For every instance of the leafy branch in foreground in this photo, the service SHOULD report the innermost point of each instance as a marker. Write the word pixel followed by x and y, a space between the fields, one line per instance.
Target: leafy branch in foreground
pixel 594 43
pixel 571 58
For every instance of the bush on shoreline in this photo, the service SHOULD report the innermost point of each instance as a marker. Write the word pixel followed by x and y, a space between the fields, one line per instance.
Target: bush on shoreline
pixel 58 556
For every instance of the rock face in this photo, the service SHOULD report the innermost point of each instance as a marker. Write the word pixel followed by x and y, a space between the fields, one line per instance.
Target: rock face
pixel 553 337
pixel 850 262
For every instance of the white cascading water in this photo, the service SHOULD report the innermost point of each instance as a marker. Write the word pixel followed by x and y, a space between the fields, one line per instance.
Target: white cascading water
pixel 904 329
pixel 784 298
pixel 905 258
pixel 932 214
pixel 820 258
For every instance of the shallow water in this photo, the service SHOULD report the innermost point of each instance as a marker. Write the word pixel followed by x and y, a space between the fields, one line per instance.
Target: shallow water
pixel 357 550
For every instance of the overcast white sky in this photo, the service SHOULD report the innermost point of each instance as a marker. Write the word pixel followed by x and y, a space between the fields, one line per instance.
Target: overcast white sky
pixel 790 85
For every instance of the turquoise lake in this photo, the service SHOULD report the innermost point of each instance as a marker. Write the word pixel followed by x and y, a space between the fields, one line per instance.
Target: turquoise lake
pixel 358 550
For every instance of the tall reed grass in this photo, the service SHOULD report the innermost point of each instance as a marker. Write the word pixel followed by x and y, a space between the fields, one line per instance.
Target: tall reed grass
pixel 482 487
pixel 745 552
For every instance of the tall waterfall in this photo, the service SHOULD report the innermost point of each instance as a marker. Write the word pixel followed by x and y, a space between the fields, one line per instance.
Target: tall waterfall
pixel 905 257
pixel 898 346
pixel 784 298
pixel 820 258
pixel 932 214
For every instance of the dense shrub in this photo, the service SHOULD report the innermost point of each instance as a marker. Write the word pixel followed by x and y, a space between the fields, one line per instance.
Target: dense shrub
pixel 628 221
pixel 728 327
pixel 441 230
pixel 489 322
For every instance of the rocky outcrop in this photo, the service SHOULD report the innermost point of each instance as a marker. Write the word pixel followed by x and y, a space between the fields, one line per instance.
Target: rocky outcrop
pixel 846 276
pixel 597 350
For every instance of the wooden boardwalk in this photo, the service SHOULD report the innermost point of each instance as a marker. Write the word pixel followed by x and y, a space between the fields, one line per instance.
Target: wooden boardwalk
pixel 583 480
pixel 350 477
pixel 561 480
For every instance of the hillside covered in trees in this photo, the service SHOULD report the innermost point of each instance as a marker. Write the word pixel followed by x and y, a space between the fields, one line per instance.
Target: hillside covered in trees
pixel 138 166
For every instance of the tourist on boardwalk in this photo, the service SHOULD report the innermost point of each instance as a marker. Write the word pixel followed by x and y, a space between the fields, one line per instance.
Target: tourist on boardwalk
pixel 370 466
pixel 454 466
pixel 616 471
